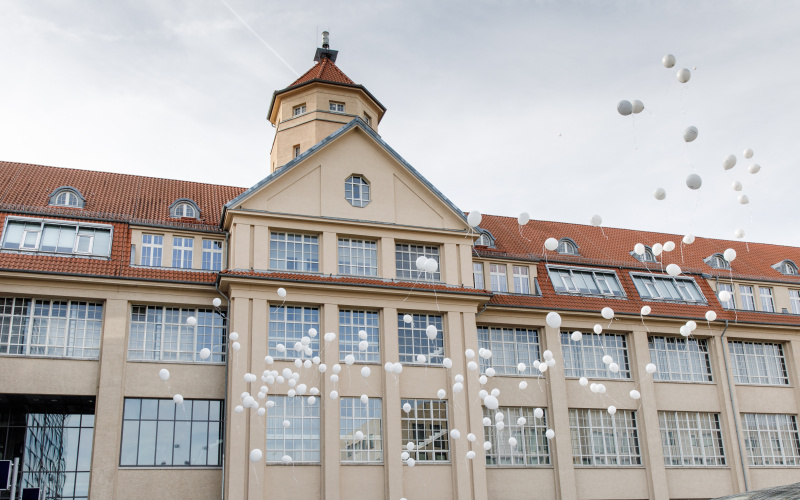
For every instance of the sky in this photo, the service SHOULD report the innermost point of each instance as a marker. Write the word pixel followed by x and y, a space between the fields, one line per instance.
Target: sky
pixel 505 106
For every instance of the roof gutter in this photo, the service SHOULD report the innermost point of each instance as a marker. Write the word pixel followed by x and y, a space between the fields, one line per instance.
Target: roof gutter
pixel 733 407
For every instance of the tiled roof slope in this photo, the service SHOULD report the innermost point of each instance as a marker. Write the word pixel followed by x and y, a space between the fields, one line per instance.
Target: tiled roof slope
pixel 325 70
pixel 110 196
pixel 612 246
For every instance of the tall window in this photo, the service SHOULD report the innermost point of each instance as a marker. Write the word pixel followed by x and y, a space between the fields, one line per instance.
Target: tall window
pixel 288 325
pixel 45 327
pixel 509 346
pixel 159 433
pixel 356 191
pixel 350 324
pixel 532 447
pixel 152 248
pixel 360 432
pixel 406 255
pixel 294 252
pixel 182 252
pixel 585 281
pixel 748 300
pixel 414 341
pixel 691 439
pixel 160 333
pixel 585 358
pixel 301 439
pixel 498 275
pixel 426 426
pixel 522 282
pixel 477 274
pixel 602 439
pixel 727 287
pixel 758 363
pixel 771 440
pixel 667 288
pixel 212 255
pixel 680 360
pixel 794 296
pixel 52 236
pixel 358 257
pixel 767 304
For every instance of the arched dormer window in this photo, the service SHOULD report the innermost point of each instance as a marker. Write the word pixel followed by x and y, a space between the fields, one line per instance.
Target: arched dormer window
pixel 786 267
pixel 717 261
pixel 67 196
pixel 485 240
pixel 647 256
pixel 567 247
pixel 184 207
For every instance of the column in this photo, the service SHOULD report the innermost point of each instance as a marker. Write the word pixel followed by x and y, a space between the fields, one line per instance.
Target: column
pixel 393 464
pixel 256 426
pixel 329 410
pixel 473 416
pixel 237 464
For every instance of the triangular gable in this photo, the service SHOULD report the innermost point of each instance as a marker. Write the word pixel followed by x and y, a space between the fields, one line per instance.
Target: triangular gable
pixel 404 194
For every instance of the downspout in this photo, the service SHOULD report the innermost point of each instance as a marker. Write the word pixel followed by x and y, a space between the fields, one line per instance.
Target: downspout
pixel 227 357
pixel 733 406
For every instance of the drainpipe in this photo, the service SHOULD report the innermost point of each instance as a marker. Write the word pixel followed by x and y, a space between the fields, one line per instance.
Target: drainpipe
pixel 227 356
pixel 733 406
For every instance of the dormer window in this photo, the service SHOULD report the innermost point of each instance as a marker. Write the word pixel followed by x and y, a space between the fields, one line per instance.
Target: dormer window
pixel 66 196
pixel 567 247
pixel 356 191
pixel 786 267
pixel 184 208
pixel 647 256
pixel 485 240
pixel 717 261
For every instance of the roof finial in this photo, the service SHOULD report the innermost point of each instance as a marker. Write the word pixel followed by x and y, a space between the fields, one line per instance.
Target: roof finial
pixel 325 41
pixel 325 51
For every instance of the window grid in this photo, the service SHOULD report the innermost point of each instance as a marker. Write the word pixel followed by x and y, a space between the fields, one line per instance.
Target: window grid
pixel 477 273
pixel 160 333
pixel 567 247
pixel 406 261
pixel 767 303
pixel 301 440
pixel 358 257
pixel 585 282
pixel 771 440
pixel 667 288
pixel 337 107
pixel 160 433
pixel 62 237
pixel 426 425
pixel 46 327
pixel 727 287
pixel 67 199
pixel 532 446
pixel 414 341
pixel 152 249
pixel 212 255
pixel 182 252
pixel 794 297
pixel 350 323
pixel 288 325
pixel 600 439
pixel 585 358
pixel 748 300
pixel 522 283
pixel 294 252
pixel 680 360
pixel 497 272
pixel 509 346
pixel 758 363
pixel 691 439
pixel 354 416
pixel 299 110
pixel 185 210
pixel 356 191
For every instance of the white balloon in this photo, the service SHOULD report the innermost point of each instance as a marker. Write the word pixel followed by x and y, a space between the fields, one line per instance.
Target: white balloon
pixel 407 318
pixel 233 336
pixel 607 359
pixel 364 399
pixel 522 421
pixel 491 402
pixel 441 393
pixel 363 345
pixel 729 162
pixel 411 462
pixel 548 354
pixel 660 194
pixel 483 379
pixel 553 320
pixel 178 399
pixel 397 368
pixel 239 409
pixel 455 434
pixel 521 367
pixel 163 374
pixel 739 233
pixel 349 359
pixel 550 434
pixel 736 185
pixel 420 263
pixel 576 336
pixel 551 244
pixel 490 372
pixel 431 266
pixel 365 372
pixel 598 329
pixel 470 455
pixel 612 410
pixel 693 181
pixel 471 437
pixel 388 367
pixel 638 249
pixel 216 302
pixel 601 388
pixel 536 364
pixel 406 407
pixel 607 313
pixel 469 354
pixel 583 381
pixel 474 218
pixel 334 395
pixel 688 239
pixel 551 362
pixel 691 325
pixel 286 459
pixel 538 413
pixel 634 394
pixel 291 393
pixel 191 321
pixel 711 315
pixel 404 455
pixel 249 378
pixel 673 270
pixel 472 366
pixel 523 218
pixel 421 358
pixel 487 445
pixel 724 296
pixel 638 106
pixel 684 331
pixel 512 441
pixel 754 168
pixel 359 436
pixel 669 246
pixel 646 310
pixel 683 75
pixel 613 368
pixel 281 292
pixel 596 220
pixel 255 455
pixel 650 368
pixel 330 337
pixel 748 153
pixel 523 385
pixel 668 61
pixel 334 378
pixel 593 388
pixel 487 421
pixel 543 367
pixel 690 134
pixel 743 199
pixel 236 346
pixel 482 394
pixel 431 332
pixel 261 412
pixel 280 348
pixel 624 107
pixel 657 248
pixel 500 426
pixel 447 363
pixel 322 367
pixel 410 446
pixel 729 254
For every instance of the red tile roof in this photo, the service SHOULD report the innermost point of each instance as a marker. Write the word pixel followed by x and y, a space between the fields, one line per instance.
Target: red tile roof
pixel 325 70
pixel 110 196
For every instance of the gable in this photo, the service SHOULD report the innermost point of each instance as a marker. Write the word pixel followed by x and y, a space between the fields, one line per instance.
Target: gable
pixel 314 185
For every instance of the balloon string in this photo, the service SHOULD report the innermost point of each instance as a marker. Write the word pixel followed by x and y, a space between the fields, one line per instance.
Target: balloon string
pixel 520 232
pixel 255 473
pixel 169 390
pixel 643 323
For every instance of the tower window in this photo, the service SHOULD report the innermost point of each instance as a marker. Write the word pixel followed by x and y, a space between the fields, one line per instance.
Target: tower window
pixel 337 107
pixel 356 191
pixel 299 110
pixel 368 119
pixel 296 150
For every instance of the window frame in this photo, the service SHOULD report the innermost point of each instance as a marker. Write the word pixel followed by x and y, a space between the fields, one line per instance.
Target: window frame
pixel 209 261
pixel 498 277
pixel 569 247
pixel 743 358
pixel 298 110
pixel 413 337
pixel 336 107
pixel 534 430
pixel 576 364
pixel 309 252
pixel 351 412
pixel 770 438
pixel 412 250
pixel 767 299
pixel 522 280
pixel 410 429
pixel 794 300
pixel 211 331
pixel 365 251
pixel 728 287
pixel 676 361
pixel 748 299
pixel 80 201
pixel 152 248
pixel 309 318
pixel 477 271
pixel 182 254
pixel 351 321
pixel 506 345
pixel 310 421
pixel 600 280
pixel 687 436
pixel 357 182
pixel 661 283
pixel 648 257
pixel 39 226
pixel 624 436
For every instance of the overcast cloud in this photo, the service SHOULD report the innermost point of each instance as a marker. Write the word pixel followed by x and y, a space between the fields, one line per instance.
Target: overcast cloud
pixel 505 106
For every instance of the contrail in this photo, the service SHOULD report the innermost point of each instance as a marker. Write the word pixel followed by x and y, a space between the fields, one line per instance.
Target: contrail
pixel 259 38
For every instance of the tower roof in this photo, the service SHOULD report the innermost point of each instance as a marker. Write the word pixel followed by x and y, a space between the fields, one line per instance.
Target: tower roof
pixel 325 71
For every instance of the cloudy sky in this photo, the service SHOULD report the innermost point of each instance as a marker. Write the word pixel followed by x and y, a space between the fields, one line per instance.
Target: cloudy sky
pixel 506 106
